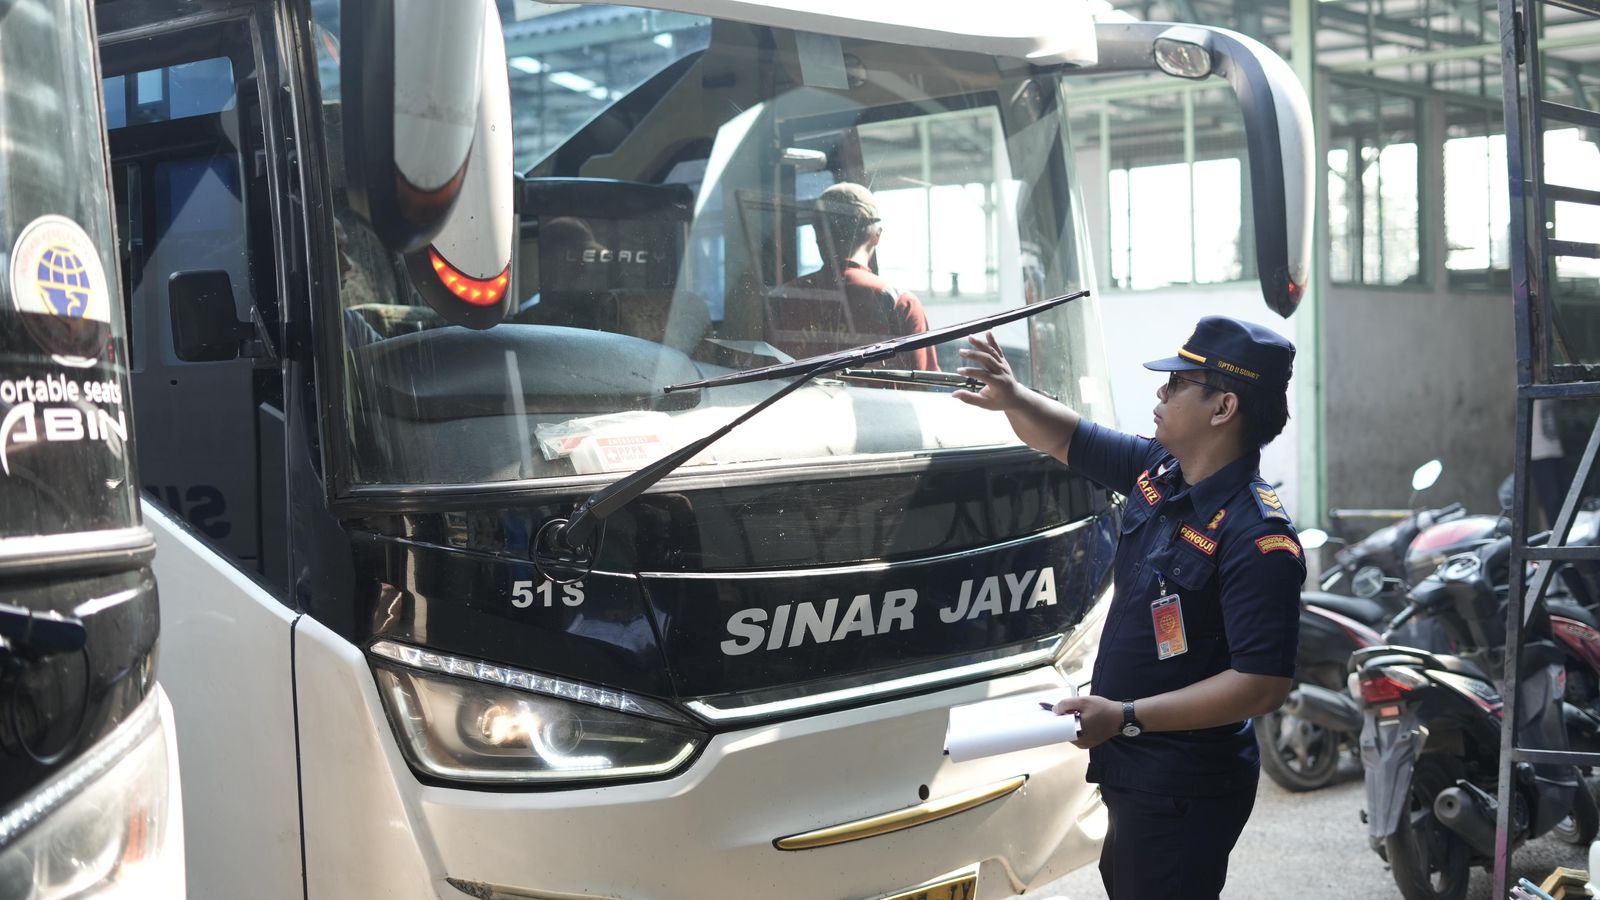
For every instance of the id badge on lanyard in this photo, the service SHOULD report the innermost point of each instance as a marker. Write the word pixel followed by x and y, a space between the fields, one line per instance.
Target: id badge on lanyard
pixel 1166 612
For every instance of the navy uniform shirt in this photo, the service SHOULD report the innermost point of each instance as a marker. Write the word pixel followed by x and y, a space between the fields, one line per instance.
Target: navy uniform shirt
pixel 1226 548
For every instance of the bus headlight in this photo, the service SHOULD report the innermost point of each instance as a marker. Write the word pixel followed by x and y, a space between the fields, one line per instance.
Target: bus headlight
pixel 98 828
pixel 462 720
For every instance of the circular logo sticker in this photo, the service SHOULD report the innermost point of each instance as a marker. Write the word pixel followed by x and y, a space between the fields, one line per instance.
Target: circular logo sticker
pixel 57 281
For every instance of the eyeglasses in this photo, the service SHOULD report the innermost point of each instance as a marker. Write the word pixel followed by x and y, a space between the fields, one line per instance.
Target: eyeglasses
pixel 1175 383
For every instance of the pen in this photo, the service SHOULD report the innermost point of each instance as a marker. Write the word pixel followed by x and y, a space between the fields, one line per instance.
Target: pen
pixel 1045 704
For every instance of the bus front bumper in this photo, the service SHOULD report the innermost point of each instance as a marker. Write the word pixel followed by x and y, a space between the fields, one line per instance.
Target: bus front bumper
pixel 847 790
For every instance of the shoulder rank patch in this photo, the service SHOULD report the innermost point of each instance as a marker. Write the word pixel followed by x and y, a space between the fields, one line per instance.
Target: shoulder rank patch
pixel 1267 500
pixel 1216 520
pixel 1151 495
pixel 1277 542
pixel 1202 543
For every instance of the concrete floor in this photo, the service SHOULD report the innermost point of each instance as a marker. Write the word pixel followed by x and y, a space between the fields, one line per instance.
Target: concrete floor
pixel 1313 845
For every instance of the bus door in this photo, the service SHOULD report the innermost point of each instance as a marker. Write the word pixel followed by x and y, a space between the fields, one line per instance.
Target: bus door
pixel 189 170
pixel 191 91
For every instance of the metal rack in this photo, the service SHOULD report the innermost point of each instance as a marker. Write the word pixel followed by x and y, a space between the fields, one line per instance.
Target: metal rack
pixel 1547 368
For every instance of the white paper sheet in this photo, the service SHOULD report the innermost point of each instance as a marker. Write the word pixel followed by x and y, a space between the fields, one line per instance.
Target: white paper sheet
pixel 1008 724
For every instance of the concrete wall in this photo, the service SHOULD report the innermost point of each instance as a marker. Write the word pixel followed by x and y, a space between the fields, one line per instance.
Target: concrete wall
pixel 1409 376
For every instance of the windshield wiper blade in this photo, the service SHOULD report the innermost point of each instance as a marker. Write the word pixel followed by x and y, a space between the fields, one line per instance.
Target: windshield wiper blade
pixel 857 356
pixel 918 376
pixel 912 376
pixel 602 503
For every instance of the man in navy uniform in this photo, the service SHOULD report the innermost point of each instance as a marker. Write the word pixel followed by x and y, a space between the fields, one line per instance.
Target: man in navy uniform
pixel 1203 625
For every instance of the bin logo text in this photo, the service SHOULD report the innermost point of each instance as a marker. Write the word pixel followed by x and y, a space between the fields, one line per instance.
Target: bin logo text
pixel 57 409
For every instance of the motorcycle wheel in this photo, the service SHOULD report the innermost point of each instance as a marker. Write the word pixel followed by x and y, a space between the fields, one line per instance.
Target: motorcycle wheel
pixel 1581 827
pixel 1428 860
pixel 1297 755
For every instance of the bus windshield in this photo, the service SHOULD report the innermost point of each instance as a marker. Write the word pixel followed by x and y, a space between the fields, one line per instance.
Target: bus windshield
pixel 704 196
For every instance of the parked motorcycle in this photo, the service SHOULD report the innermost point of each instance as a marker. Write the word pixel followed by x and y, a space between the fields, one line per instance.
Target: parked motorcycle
pixel 1430 736
pixel 1302 742
pixel 1391 558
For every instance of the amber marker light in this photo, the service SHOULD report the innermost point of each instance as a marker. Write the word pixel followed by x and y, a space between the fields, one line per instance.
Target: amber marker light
pixel 476 291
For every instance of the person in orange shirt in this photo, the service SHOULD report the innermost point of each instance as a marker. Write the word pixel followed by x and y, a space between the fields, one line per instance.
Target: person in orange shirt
pixel 845 304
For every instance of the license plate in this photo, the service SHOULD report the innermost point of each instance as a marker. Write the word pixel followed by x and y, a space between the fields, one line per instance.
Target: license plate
pixel 963 887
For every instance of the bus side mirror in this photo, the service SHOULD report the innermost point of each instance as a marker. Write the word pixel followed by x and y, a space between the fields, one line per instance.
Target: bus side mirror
pixel 409 74
pixel 464 270
pixel 204 325
pixel 1277 127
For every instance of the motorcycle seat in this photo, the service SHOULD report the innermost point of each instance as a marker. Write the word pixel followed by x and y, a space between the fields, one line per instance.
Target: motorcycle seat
pixel 1363 610
pixel 1572 611
pixel 1461 667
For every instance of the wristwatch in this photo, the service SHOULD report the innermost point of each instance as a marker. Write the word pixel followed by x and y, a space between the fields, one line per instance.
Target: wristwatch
pixel 1130 724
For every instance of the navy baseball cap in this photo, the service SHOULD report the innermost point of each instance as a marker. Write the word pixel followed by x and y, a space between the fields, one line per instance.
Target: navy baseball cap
pixel 1254 355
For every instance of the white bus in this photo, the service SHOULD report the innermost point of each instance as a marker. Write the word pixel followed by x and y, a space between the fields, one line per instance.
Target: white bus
pixel 400 356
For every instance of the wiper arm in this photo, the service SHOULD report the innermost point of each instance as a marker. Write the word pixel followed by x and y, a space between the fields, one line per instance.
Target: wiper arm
pixel 602 503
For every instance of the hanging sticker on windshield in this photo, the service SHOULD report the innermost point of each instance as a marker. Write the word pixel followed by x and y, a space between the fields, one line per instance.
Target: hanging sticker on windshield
pixel 59 285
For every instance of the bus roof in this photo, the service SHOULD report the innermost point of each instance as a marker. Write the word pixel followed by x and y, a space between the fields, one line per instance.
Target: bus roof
pixel 1059 32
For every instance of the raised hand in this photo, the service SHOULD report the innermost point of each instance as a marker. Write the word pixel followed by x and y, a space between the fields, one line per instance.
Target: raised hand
pixel 987 363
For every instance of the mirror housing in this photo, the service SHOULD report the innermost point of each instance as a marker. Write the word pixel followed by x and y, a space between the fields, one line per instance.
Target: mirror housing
pixel 204 326
pixel 464 270
pixel 409 126
pixel 1278 133
pixel 1426 475
pixel 1313 539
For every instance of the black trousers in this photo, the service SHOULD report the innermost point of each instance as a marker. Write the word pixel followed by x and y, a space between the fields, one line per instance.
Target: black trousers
pixel 1160 846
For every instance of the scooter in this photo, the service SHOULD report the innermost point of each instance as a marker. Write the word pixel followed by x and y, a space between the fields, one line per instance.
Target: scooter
pixel 1385 562
pixel 1430 744
pixel 1301 743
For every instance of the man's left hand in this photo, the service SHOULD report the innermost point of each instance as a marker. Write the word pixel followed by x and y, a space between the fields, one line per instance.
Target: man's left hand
pixel 1099 719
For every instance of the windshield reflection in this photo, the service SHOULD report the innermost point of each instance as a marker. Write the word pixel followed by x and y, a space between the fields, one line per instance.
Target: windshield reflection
pixel 727 230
